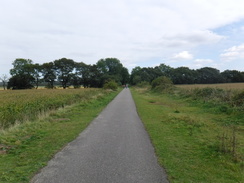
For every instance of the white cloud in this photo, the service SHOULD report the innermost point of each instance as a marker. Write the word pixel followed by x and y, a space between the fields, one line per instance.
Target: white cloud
pixel 235 52
pixel 131 30
pixel 203 61
pixel 184 55
pixel 199 63
pixel 191 39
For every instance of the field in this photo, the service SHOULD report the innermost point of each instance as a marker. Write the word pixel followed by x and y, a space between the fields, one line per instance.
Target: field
pixel 198 136
pixel 17 106
pixel 226 86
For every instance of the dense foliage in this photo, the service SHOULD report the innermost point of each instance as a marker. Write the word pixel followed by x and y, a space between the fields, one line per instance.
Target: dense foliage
pixel 66 72
pixel 184 75
pixel 162 83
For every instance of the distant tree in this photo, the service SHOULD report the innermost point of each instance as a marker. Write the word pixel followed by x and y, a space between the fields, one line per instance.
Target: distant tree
pixel 136 80
pixel 135 77
pixel 232 76
pixel 49 74
pixel 20 82
pixel 21 67
pixel 208 75
pixel 4 79
pixel 82 72
pixel 22 74
pixel 36 73
pixel 64 68
pixel 183 75
pixel 112 69
pixel 125 76
pixel 95 77
pixel 145 74
pixel 165 70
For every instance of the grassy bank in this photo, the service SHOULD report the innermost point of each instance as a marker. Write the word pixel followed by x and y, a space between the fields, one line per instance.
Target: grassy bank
pixel 194 141
pixel 27 147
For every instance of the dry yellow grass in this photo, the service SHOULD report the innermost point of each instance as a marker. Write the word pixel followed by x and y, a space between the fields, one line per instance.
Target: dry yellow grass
pixel 226 86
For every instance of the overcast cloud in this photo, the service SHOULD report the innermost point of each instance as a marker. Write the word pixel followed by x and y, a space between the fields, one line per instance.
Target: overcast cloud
pixel 192 33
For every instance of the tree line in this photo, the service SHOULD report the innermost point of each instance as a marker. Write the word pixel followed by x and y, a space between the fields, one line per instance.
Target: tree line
pixel 66 72
pixel 25 74
pixel 185 75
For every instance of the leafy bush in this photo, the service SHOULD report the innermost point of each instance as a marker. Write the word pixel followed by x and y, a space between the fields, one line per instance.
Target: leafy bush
pixel 143 84
pixel 162 84
pixel 238 99
pixel 111 85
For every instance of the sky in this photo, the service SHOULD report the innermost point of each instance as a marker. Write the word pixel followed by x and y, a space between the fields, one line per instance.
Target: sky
pixel 145 33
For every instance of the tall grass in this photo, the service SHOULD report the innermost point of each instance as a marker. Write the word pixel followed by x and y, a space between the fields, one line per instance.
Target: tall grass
pixel 225 86
pixel 22 105
pixel 194 140
pixel 217 96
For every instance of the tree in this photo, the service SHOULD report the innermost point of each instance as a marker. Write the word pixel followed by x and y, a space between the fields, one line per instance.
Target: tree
pixel 22 74
pixel 35 72
pixel 49 74
pixel 111 69
pixel 208 75
pixel 183 75
pixel 125 76
pixel 64 68
pixel 95 77
pixel 4 79
pixel 232 76
pixel 165 70
pixel 20 82
pixel 135 77
pixel 82 73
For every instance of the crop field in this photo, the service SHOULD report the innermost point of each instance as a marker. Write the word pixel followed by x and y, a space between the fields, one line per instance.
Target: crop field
pixel 228 86
pixel 22 105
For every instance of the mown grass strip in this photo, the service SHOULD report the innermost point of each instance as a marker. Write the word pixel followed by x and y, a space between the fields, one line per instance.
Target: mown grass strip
pixel 27 147
pixel 187 139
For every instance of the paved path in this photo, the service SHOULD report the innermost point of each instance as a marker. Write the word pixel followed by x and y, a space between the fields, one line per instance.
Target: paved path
pixel 115 148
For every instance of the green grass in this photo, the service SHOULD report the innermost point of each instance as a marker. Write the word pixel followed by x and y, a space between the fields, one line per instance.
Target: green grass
pixel 188 138
pixel 27 147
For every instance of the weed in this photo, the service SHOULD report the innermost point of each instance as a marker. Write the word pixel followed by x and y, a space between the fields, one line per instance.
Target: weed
pixel 228 143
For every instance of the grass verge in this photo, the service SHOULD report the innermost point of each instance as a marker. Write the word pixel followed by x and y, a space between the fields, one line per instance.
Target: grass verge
pixel 193 142
pixel 27 147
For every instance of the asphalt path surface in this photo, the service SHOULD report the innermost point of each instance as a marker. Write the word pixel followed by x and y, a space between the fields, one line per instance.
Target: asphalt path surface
pixel 114 148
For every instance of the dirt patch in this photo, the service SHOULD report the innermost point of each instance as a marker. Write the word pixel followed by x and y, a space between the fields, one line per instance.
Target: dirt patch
pixel 4 149
pixel 61 119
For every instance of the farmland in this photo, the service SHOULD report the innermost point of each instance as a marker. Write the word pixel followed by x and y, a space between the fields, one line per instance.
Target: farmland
pixel 17 106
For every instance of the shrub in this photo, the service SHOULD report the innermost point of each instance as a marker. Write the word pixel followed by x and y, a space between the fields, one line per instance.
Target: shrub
pixel 143 84
pixel 111 85
pixel 162 84
pixel 238 99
